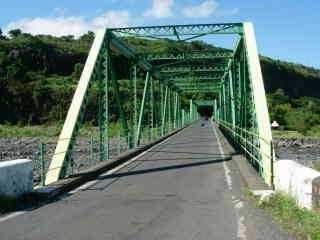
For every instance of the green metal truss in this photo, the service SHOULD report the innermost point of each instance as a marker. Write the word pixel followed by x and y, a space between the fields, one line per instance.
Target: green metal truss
pixel 189 56
pixel 188 69
pixel 232 79
pixel 178 31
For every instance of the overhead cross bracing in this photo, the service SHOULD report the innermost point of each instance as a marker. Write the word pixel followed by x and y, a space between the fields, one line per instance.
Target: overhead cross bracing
pixel 230 77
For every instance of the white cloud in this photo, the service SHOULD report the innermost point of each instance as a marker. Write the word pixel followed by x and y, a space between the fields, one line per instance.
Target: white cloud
pixel 72 25
pixel 206 9
pixel 160 9
pixel 112 19
pixel 58 26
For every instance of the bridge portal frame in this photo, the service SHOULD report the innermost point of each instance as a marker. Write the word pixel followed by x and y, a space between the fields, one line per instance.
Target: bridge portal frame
pixel 239 96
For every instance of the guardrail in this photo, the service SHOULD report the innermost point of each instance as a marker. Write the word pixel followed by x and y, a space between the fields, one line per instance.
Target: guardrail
pixel 86 155
pixel 249 142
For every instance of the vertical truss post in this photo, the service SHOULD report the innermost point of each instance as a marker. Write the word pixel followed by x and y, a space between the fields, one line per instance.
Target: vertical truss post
pixel 175 119
pixel 191 110
pixel 238 95
pixel 224 112
pixel 104 108
pixel 219 104
pixel 179 111
pixel 215 112
pixel 135 105
pixel 183 118
pixel 152 107
pixel 123 120
pixel 232 105
pixel 169 109
pixel 164 112
pixel 146 83
pixel 161 105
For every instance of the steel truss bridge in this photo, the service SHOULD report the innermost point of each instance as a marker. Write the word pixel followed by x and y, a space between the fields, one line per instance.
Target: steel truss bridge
pixel 228 80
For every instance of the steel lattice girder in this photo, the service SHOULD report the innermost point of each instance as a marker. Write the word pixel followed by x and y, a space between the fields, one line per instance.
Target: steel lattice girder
pixel 187 69
pixel 195 81
pixel 204 102
pixel 209 77
pixel 197 90
pixel 194 84
pixel 180 30
pixel 190 56
pixel 199 87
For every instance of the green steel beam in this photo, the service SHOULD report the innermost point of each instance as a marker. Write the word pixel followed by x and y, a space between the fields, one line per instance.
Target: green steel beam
pixel 152 105
pixel 182 30
pixel 175 117
pixel 199 91
pixel 146 84
pixel 189 56
pixel 204 102
pixel 123 121
pixel 194 80
pixel 211 76
pixel 196 84
pixel 164 111
pixel 135 104
pixel 178 69
pixel 232 103
pixel 119 46
pixel 66 140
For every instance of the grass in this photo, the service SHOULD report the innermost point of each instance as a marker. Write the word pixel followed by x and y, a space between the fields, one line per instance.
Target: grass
pixel 313 133
pixel 51 130
pixel 29 131
pixel 316 166
pixel 287 134
pixel 302 222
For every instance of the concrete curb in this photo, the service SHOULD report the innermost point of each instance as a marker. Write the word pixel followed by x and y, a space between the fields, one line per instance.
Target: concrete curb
pixel 65 185
pixel 298 181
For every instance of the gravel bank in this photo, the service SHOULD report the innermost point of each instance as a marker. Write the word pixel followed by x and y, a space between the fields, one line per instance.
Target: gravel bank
pixel 29 147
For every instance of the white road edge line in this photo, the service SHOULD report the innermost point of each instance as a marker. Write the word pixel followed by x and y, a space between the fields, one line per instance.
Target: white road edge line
pixel 225 167
pixel 241 229
pixel 88 184
pixel 12 215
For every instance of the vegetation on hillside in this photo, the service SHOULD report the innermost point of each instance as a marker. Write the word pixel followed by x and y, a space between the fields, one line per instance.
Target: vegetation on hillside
pixel 38 76
pixel 296 114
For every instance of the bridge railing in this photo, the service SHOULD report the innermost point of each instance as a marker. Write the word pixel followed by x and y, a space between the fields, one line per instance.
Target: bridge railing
pixel 249 143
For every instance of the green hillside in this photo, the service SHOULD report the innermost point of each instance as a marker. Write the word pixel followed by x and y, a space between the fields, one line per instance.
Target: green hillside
pixel 38 75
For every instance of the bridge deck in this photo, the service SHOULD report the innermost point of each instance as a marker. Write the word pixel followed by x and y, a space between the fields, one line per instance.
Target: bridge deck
pixel 181 189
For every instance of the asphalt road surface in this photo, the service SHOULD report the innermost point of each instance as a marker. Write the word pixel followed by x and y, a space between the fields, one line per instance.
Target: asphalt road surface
pixel 185 188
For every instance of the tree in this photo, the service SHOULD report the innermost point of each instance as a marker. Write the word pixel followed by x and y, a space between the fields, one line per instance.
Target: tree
pixel 15 33
pixel 88 37
pixel 78 67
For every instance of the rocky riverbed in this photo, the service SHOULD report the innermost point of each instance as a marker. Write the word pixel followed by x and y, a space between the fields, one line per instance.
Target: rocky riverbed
pixel 84 153
pixel 303 150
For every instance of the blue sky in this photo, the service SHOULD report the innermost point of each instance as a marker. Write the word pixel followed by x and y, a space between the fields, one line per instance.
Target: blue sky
pixel 285 29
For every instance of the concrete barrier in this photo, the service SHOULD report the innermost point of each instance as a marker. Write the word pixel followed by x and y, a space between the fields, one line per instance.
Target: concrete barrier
pixel 297 181
pixel 16 177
